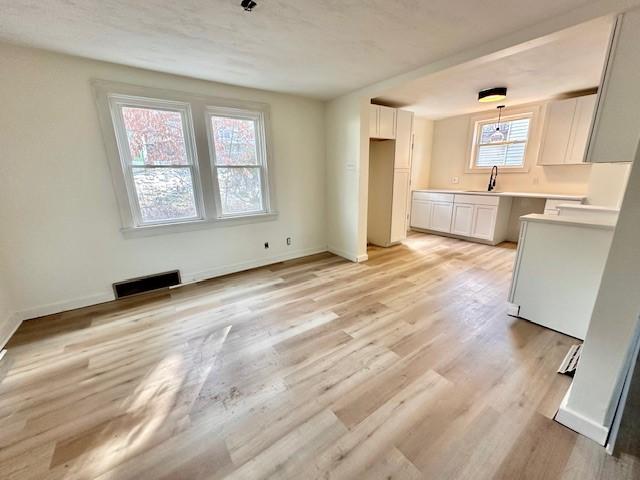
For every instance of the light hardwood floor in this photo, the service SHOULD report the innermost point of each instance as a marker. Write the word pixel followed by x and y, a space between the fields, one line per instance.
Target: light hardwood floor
pixel 403 367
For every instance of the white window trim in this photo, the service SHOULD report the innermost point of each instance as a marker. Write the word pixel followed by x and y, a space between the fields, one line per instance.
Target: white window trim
pixel 532 148
pixel 205 184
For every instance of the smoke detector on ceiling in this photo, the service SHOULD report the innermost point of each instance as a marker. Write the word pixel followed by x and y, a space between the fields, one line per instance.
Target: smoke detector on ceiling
pixel 248 5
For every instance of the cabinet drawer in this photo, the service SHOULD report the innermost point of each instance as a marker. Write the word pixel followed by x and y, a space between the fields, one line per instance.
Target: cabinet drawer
pixel 476 199
pixel 433 196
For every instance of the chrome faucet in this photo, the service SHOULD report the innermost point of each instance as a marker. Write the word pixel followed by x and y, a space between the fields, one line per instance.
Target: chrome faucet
pixel 492 178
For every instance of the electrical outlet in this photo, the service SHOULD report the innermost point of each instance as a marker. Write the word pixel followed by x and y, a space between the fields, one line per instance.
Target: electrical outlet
pixel 266 244
pixel 536 180
pixel 455 180
pixel 289 242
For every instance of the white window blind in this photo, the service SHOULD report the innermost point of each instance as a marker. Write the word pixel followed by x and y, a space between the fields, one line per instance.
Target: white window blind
pixel 509 152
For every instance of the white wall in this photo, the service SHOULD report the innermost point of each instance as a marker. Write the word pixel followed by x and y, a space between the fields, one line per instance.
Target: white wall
pixel 607 184
pixel 58 211
pixel 347 177
pixel 422 153
pixel 450 157
pixel 614 320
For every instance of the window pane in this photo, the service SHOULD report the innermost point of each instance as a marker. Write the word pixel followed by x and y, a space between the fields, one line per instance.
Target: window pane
pixel 510 155
pixel 514 130
pixel 165 193
pixel 234 141
pixel 155 137
pixel 240 190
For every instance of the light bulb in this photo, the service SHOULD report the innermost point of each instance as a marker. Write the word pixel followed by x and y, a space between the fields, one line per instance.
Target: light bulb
pixel 497 136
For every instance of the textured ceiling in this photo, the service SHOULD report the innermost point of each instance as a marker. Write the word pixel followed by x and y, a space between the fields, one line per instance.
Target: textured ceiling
pixel 566 61
pixel 319 48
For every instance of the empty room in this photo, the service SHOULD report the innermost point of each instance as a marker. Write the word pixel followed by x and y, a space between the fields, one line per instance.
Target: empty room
pixel 250 239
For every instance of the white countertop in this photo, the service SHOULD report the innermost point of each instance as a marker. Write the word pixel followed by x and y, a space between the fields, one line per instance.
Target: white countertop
pixel 603 223
pixel 552 196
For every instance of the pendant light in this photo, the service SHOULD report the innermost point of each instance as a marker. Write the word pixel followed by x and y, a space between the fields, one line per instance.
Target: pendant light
pixel 497 136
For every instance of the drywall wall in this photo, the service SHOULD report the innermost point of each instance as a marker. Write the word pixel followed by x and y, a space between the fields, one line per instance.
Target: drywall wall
pixel 347 177
pixel 608 344
pixel 57 205
pixel 607 184
pixel 450 157
pixel 422 150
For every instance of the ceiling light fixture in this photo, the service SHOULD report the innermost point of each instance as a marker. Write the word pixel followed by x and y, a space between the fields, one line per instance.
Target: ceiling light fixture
pixel 248 5
pixel 497 136
pixel 492 94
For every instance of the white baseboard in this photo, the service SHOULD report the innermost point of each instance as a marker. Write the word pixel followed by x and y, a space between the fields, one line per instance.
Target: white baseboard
pixel 348 255
pixel 581 424
pixel 52 308
pixel 190 277
pixel 8 327
pixel 187 277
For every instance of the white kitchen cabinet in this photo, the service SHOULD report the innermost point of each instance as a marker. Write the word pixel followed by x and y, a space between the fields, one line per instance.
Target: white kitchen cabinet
pixel 421 213
pixel 582 119
pixel 462 219
pixel 382 122
pixel 389 179
pixel 399 205
pixel 475 217
pixel 484 221
pixel 566 130
pixel 386 122
pixel 441 213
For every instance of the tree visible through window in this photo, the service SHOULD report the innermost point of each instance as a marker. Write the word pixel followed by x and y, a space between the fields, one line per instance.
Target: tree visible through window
pixel 174 167
pixel 159 164
pixel 238 162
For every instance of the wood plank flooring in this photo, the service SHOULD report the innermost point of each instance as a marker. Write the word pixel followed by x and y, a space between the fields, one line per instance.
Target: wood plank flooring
pixel 403 367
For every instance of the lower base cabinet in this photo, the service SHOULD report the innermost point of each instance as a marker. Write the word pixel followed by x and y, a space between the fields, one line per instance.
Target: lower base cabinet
pixel 481 217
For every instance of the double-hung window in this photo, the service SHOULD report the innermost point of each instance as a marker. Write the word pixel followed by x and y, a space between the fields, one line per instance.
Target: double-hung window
pixel 180 160
pixel 238 151
pixel 157 153
pixel 503 144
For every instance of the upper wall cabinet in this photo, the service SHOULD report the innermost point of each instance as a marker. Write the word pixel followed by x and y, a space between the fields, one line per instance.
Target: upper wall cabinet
pixel 616 129
pixel 382 122
pixel 566 130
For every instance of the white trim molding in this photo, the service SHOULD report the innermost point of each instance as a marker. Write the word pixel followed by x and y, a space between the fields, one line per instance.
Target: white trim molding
pixel 354 257
pixel 196 112
pixel 581 424
pixel 187 278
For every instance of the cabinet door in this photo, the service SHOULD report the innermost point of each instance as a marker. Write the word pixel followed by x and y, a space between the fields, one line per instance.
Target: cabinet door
pixel 462 219
pixel 484 221
pixel 441 213
pixel 373 121
pixel 386 122
pixel 581 128
pixel 399 205
pixel 404 137
pixel 557 130
pixel 420 213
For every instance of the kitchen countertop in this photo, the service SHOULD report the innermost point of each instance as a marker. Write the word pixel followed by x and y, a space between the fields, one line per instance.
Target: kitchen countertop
pixel 552 196
pixel 606 224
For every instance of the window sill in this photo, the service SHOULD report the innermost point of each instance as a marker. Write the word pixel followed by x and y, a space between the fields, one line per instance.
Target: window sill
pixel 169 228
